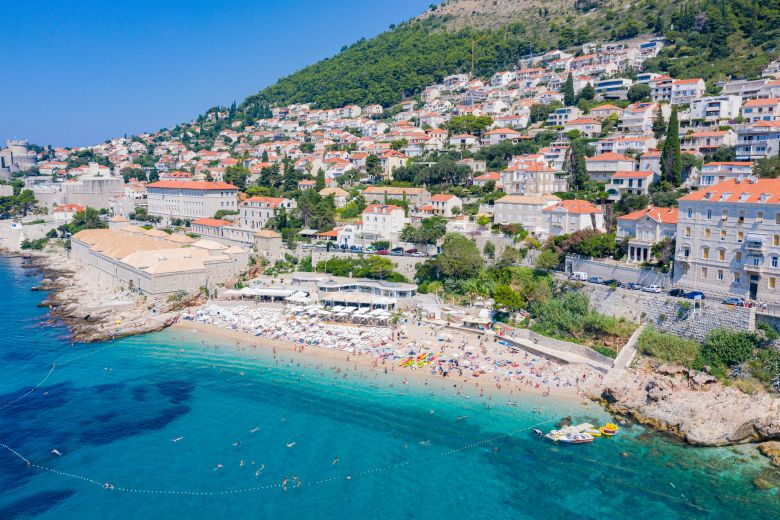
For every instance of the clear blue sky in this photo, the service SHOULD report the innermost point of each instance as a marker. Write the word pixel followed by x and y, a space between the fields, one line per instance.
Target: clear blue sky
pixel 77 73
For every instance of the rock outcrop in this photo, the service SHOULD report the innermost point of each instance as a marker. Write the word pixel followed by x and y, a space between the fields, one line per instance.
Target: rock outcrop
pixel 690 405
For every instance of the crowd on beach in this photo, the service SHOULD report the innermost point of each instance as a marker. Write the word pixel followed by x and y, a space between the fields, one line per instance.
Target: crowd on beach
pixel 423 348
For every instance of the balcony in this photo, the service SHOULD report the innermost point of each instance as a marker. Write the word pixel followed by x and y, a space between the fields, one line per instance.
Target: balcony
pixel 754 242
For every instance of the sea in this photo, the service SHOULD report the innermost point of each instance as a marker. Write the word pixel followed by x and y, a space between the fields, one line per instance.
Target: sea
pixel 176 424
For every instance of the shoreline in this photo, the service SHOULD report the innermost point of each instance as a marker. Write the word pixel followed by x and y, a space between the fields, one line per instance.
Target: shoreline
pixel 344 360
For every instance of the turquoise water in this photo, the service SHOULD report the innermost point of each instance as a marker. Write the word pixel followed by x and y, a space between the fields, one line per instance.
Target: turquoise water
pixel 113 411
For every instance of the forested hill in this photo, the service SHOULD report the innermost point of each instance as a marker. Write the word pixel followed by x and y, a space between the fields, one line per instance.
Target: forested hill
pixel 713 39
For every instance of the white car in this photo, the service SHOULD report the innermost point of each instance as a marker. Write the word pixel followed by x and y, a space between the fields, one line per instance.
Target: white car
pixel 651 288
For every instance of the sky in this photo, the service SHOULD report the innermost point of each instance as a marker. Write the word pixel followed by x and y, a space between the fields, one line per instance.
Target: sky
pixel 75 73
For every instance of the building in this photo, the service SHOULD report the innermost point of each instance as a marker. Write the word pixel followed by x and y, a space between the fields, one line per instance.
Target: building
pixel 708 141
pixel 533 178
pixel 339 196
pixel 499 135
pixel 715 108
pixel 353 292
pixel 381 194
pixel 16 157
pixel 761 110
pixel 759 140
pixel 716 172
pixel 570 216
pixel 613 88
pixel 93 191
pixel 561 116
pixel 445 205
pixel 153 262
pixel 630 183
pixel 603 166
pixel 638 118
pixel 255 212
pixel 684 91
pixel 384 221
pixel 586 126
pixel 189 200
pixel 728 239
pixel 526 210
pixel 645 228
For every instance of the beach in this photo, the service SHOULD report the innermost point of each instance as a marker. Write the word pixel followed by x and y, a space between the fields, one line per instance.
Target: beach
pixel 520 372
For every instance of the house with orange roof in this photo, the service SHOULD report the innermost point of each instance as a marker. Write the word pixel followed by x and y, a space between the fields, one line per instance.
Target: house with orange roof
pixel 638 118
pixel 759 140
pixel 707 141
pixel 65 212
pixel 756 110
pixel 602 112
pixel 499 135
pixel 383 221
pixel 569 216
pixel 464 141
pixel 602 166
pixel 190 199
pixel 684 91
pixel 630 183
pixel 645 228
pixel 255 212
pixel 728 239
pixel 445 205
pixel 587 126
pixel 482 180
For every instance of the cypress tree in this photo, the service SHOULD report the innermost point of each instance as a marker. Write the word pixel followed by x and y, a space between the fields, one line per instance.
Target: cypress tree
pixel 568 91
pixel 659 125
pixel 671 158
pixel 320 180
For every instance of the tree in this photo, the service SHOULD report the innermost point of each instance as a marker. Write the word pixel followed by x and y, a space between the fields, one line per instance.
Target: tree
pixel 133 173
pixel 320 185
pixel 459 257
pixel 638 92
pixel 588 92
pixel 659 125
pixel 374 167
pixel 575 166
pixel 429 232
pixel 25 201
pixel 237 176
pixel 489 249
pixel 768 167
pixel 671 160
pixel 468 124
pixel 506 298
pixel 568 91
pixel 547 259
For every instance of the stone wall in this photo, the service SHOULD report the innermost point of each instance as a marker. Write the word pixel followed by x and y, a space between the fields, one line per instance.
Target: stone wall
pixel 563 346
pixel 406 265
pixel 668 314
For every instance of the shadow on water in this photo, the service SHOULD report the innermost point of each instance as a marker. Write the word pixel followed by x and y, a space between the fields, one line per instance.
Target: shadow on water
pixel 34 504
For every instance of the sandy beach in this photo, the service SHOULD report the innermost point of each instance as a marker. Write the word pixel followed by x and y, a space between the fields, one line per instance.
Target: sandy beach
pixel 366 365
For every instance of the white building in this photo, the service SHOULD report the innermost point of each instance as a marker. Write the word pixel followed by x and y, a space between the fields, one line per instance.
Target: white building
pixel 630 183
pixel 190 199
pixel 255 212
pixel 570 216
pixel 563 115
pixel 728 239
pixel 684 91
pixel 645 228
pixel 759 140
pixel 716 172
pixel 762 110
pixel 603 166
pixel 715 108
pixel 526 210
pixel 384 221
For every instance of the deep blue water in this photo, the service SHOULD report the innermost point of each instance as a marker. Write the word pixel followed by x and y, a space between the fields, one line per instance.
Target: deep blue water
pixel 114 409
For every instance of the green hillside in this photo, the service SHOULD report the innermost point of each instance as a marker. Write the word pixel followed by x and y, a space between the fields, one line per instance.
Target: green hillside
pixel 714 39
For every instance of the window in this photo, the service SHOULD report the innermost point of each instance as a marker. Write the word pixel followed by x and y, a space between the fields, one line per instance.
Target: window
pixel 740 236
pixel 687 231
pixel 736 277
pixel 686 252
pixel 774 261
pixel 707 233
pixel 720 275
pixel 690 215
pixel 760 216
pixel 741 218
pixel 777 218
pixel 771 282
pixel 709 214
pixel 704 272
pixel 705 253
pixel 723 234
pixel 721 255
pixel 724 215
pixel 738 257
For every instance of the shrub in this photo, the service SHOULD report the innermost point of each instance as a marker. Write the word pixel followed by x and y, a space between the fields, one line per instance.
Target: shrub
pixel 668 347
pixel 728 347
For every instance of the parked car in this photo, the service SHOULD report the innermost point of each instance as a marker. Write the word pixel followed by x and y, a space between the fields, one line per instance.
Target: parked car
pixel 739 302
pixel 411 251
pixel 579 275
pixel 695 295
pixel 370 249
pixel 419 254
pixel 595 279
pixel 634 286
pixel 613 283
pixel 382 252
pixel 355 249
pixel 652 288
pixel 677 292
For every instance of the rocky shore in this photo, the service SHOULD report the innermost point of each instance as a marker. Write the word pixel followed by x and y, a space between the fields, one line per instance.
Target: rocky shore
pixel 690 405
pixel 93 313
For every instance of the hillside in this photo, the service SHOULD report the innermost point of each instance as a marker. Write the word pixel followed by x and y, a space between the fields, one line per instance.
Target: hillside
pixel 714 39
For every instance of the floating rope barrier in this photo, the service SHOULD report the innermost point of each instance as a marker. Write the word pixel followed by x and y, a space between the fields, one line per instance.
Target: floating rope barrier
pixel 31 390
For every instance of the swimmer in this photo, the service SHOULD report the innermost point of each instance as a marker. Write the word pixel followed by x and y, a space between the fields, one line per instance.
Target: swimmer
pixel 290 445
pixel 56 452
pixel 237 443
pixel 253 430
pixel 335 461
pixel 218 466
pixel 177 439
pixel 284 483
pixel 241 464
pixel 424 443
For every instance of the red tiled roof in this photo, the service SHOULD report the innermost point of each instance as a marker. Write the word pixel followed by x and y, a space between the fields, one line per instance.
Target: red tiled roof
pixel 441 197
pixel 631 175
pixel 271 201
pixel 212 222
pixel 380 208
pixel 609 156
pixel 192 185
pixel 574 206
pixel 735 191
pixel 661 215
pixel 762 102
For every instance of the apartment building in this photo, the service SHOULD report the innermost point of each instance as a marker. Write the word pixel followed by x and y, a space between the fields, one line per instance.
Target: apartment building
pixel 526 210
pixel 761 110
pixel 383 221
pixel 190 199
pixel 629 183
pixel 615 88
pixel 645 228
pixel 533 178
pixel 715 108
pixel 728 239
pixel 255 212
pixel 716 172
pixel 684 91
pixel 603 166
pixel 570 216
pixel 759 140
